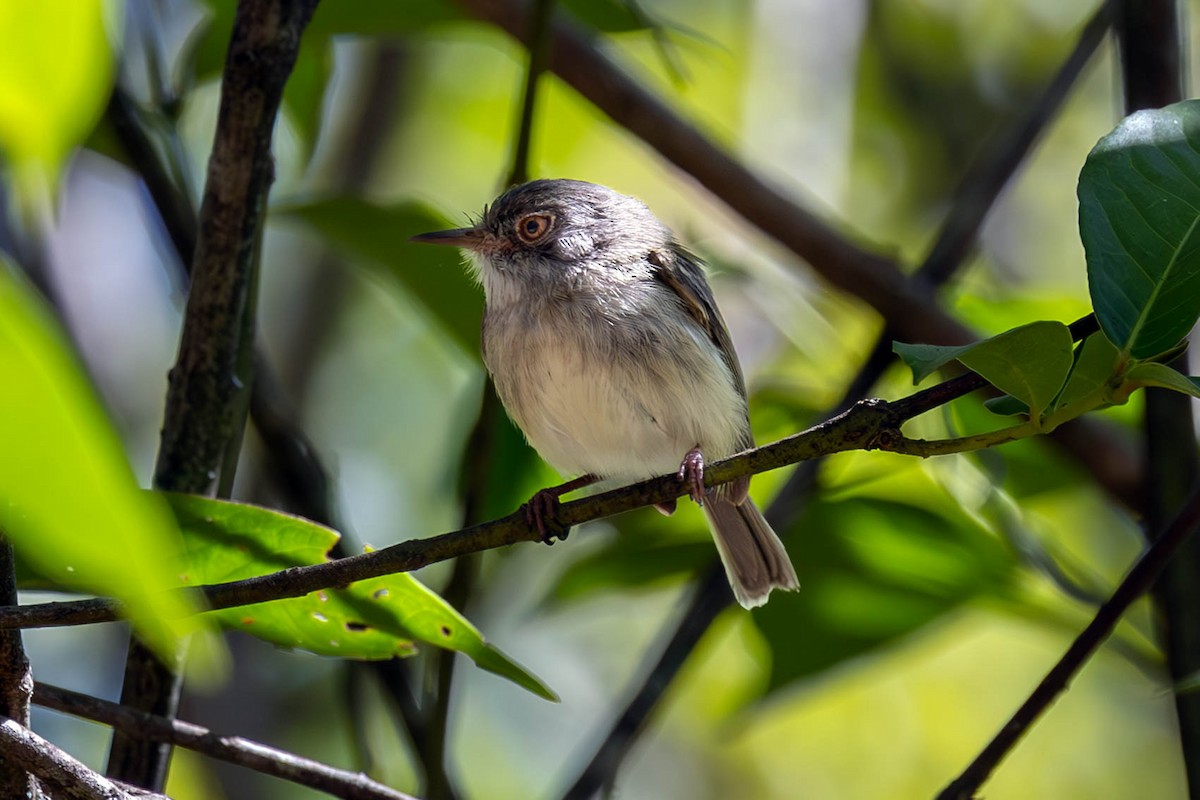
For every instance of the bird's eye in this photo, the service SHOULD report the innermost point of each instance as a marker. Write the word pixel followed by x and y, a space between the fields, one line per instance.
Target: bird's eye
pixel 533 227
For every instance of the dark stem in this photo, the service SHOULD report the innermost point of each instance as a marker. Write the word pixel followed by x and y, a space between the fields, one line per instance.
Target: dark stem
pixel 1137 582
pixel 205 396
pixel 1152 73
pixel 16 680
pixel 478 473
pixel 64 776
pixel 539 58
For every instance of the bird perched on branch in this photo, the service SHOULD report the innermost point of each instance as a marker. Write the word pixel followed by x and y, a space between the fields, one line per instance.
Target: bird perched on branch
pixel 607 349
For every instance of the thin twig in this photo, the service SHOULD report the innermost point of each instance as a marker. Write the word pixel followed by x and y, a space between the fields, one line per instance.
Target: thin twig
pixel 233 749
pixel 538 39
pixel 1139 580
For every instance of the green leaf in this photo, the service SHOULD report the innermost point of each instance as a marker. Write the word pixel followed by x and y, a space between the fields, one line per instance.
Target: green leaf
pixel 1030 363
pixel 1139 217
pixel 926 359
pixel 434 275
pixel 610 16
pixel 56 71
pixel 1095 361
pixel 1006 406
pixel 304 93
pixel 636 559
pixel 373 619
pixel 68 498
pixel 879 570
pixel 1151 373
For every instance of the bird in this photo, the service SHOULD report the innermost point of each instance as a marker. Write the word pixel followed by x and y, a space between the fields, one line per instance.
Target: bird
pixel 606 348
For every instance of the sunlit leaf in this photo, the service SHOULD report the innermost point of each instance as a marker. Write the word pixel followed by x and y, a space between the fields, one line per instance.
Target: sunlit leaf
pixel 373 619
pixel 1139 217
pixel 56 71
pixel 1030 362
pixel 434 275
pixel 68 498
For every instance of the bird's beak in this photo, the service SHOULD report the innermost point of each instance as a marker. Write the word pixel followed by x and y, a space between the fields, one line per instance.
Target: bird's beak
pixel 458 237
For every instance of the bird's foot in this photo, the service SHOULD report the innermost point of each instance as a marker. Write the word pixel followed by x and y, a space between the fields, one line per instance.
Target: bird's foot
pixel 691 474
pixel 541 512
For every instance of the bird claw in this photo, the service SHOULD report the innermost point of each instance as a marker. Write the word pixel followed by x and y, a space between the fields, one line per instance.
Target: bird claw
pixel 541 512
pixel 691 474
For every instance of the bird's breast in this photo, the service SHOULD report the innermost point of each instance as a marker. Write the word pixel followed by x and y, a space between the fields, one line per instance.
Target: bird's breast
pixel 619 389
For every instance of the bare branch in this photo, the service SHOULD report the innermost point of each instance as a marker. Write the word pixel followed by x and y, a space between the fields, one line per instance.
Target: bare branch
pixel 56 769
pixel 16 680
pixel 234 749
pixel 904 303
pixel 861 427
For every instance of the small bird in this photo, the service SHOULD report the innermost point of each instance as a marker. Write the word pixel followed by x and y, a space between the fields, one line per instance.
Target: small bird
pixel 607 350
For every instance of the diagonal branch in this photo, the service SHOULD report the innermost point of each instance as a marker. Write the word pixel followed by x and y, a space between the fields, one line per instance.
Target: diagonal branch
pixel 1139 580
pixel 879 281
pixel 234 749
pixel 866 425
pixel 68 777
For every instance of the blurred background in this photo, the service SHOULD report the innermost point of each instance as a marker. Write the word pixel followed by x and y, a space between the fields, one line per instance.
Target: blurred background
pixel 935 593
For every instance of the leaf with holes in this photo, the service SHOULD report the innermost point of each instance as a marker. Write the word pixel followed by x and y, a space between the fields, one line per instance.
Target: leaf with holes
pixel 1139 218
pixel 373 619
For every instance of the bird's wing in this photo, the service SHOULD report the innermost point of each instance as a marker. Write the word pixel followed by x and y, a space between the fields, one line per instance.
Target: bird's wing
pixel 681 272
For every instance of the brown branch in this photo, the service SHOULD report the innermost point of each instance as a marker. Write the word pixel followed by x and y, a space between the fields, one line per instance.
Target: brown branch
pixel 1139 580
pixel 16 680
pixel 65 776
pixel 205 409
pixel 904 303
pixel 857 428
pixel 233 749
pixel 1152 66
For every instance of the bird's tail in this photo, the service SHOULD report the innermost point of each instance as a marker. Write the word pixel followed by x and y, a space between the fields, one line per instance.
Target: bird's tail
pixel 754 558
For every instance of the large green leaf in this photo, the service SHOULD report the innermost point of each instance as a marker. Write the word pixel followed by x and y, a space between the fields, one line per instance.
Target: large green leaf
pixel 373 619
pixel 1029 363
pixel 876 571
pixel 1139 217
pixel 56 71
pixel 380 234
pixel 68 498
